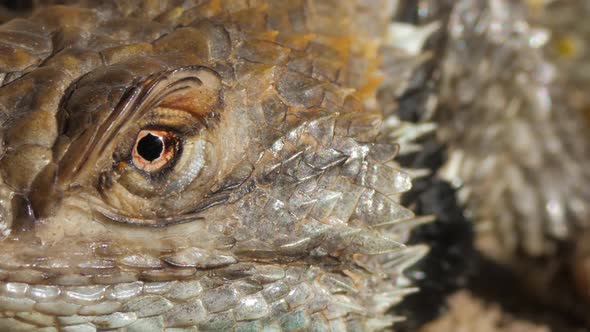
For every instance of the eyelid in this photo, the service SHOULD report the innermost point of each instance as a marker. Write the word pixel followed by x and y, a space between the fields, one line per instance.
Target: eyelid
pixel 197 102
pixel 180 122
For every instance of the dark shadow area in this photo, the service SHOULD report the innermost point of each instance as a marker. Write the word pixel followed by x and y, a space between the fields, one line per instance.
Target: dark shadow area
pixel 450 236
pixel 444 270
pixel 17 5
pixel 10 9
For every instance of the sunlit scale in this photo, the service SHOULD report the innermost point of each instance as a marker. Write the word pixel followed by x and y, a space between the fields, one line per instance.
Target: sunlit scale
pixel 153 150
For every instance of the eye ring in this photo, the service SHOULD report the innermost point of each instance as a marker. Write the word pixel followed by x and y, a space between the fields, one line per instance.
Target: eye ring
pixel 154 150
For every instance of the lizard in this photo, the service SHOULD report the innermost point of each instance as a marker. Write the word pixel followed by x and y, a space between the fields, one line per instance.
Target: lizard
pixel 204 165
pixel 172 164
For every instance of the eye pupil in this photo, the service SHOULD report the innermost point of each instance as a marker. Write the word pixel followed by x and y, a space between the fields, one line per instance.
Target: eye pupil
pixel 153 150
pixel 150 147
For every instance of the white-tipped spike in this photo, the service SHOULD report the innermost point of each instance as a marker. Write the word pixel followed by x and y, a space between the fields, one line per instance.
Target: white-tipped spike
pixel 382 323
pixel 407 224
pixel 385 300
pixel 406 258
pixel 410 38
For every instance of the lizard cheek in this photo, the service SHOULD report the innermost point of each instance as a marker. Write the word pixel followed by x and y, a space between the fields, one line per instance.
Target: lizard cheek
pixel 154 150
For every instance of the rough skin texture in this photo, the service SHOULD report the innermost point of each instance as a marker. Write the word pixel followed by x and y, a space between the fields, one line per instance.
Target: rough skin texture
pixel 286 133
pixel 280 206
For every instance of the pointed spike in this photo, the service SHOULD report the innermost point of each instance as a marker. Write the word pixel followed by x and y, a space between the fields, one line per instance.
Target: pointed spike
pixel 408 224
pixel 406 258
pixel 410 38
pixel 385 179
pixel 356 240
pixel 383 301
pixel 382 323
pixel 376 209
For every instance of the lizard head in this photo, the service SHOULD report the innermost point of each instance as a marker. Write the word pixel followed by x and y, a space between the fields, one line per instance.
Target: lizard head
pixel 203 168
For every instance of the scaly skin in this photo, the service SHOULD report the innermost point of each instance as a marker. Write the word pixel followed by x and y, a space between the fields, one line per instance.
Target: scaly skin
pixel 279 209
pixel 512 136
pixel 512 115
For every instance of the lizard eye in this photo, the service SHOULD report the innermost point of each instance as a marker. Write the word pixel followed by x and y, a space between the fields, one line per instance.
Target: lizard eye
pixel 151 156
pixel 154 150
